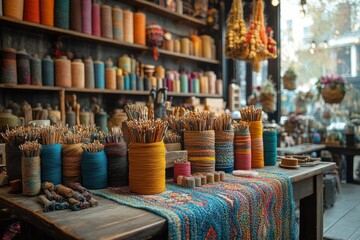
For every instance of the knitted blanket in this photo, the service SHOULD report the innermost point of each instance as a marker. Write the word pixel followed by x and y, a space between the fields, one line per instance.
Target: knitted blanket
pixel 239 208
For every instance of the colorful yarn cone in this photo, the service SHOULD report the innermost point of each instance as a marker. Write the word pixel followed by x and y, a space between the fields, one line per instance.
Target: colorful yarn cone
pixel 47 12
pixel 242 150
pixel 99 71
pixel 86 11
pixel 23 67
pixel 32 11
pixel 224 151
pixel 89 73
pixel 139 28
pixel 8 69
pixel 35 70
pixel 118 23
pixel 106 21
pixel 13 9
pixel 71 163
pixel 75 15
pixel 128 26
pixel 62 14
pixel 96 20
pixel 117 164
pixel 63 72
pixel 94 170
pixel 257 146
pixel 31 171
pixel 77 74
pixel 48 71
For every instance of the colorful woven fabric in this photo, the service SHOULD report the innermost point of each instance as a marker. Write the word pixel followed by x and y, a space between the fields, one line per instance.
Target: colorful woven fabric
pixel 238 208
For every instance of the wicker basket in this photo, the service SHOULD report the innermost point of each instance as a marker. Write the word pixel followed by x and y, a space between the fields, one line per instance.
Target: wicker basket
pixel 332 95
pixel 289 81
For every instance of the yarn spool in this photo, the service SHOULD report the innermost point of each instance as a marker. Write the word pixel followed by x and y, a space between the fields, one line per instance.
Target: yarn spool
pixel 94 170
pixel 89 73
pixel 110 78
pixel 101 120
pixel 179 6
pixel 126 82
pixel 85 118
pixel 99 71
pixel 47 12
pixel 70 118
pixel 31 180
pixel 169 45
pixel 13 9
pixel 132 81
pixel 23 67
pixel 139 83
pixel 13 162
pixel 185 46
pixel 75 15
pixel 47 68
pixel 71 163
pixel 181 169
pixel 133 63
pixel 51 163
pixel 35 70
pixel 242 150
pixel 62 14
pixel 86 14
pixel 147 168
pixel 184 83
pixel 125 64
pixel 211 81
pixel 77 74
pixel 32 11
pixel 219 87
pixel 63 72
pixel 96 20
pixel 201 150
pixel 197 45
pixel 118 23
pixel 106 21
pixel 177 46
pixel 257 147
pixel 8 69
pixel 206 46
pixel 119 79
pixel 270 147
pixel 117 164
pixel 139 28
pixel 128 26
pixel 224 151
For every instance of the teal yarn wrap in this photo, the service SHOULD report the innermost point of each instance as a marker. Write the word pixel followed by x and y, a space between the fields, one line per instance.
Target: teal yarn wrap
pixel 127 82
pixel 270 147
pixel 94 170
pixel 184 83
pixel 224 151
pixel 62 14
pixel 48 78
pixel 133 81
pixel 51 163
pixel 31 180
pixel 99 72
pixel 196 85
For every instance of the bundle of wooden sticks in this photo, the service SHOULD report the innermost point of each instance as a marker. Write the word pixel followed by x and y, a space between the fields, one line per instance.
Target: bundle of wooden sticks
pixel 147 131
pixel 223 122
pixel 30 149
pixel 251 114
pixel 198 121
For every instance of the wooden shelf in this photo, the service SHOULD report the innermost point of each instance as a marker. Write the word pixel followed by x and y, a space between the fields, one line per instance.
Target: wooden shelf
pixel 29 26
pixel 30 87
pixel 107 91
pixel 208 95
pixel 162 11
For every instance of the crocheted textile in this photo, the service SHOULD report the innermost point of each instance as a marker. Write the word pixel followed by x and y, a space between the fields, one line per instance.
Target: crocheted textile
pixel 239 208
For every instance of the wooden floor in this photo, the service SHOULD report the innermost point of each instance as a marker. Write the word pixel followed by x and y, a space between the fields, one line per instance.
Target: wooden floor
pixel 342 221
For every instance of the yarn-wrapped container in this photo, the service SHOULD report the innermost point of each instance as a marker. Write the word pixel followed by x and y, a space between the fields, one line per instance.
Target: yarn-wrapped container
pixel 201 150
pixel 257 146
pixel 224 151
pixel 94 169
pixel 13 162
pixel 181 168
pixel 51 163
pixel 71 162
pixel 147 167
pixel 242 150
pixel 117 164
pixel 31 180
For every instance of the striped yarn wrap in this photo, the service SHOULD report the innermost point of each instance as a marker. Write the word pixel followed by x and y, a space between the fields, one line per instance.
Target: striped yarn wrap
pixel 96 20
pixel 94 170
pixel 71 162
pixel 32 11
pixel 181 169
pixel 242 150
pixel 257 146
pixel 106 21
pixel 62 14
pixel 86 14
pixel 224 151
pixel 118 23
pixel 47 12
pixel 51 163
pixel 31 179
pixel 117 164
pixel 201 150
pixel 13 162
pixel 128 26
pixel 147 168
pixel 270 147
pixel 13 9
pixel 8 72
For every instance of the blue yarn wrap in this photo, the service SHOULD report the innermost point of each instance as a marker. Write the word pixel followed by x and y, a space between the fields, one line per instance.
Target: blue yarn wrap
pixel 224 151
pixel 126 82
pixel 51 163
pixel 62 14
pixel 133 81
pixel 94 170
pixel 99 72
pixel 270 147
pixel 48 78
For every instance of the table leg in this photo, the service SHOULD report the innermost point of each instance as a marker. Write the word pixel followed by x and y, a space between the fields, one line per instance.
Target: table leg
pixel 311 212
pixel 349 168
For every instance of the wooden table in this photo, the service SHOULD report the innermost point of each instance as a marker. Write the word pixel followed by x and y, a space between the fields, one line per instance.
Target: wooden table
pixel 302 148
pixel 110 220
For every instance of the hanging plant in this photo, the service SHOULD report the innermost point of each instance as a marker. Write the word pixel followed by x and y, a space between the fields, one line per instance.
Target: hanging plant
pixel 289 79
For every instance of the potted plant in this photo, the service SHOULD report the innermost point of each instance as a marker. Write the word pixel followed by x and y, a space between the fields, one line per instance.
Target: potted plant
pixel 332 88
pixel 290 79
pixel 268 97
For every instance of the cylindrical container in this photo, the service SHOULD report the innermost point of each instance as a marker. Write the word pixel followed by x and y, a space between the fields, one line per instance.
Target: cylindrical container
pixel 206 46
pixel 85 118
pixel 35 70
pixel 177 46
pixel 128 26
pixel 181 169
pixel 77 74
pixel 13 162
pixel 13 9
pixel 147 84
pixel 147 168
pixel 211 81
pixel 169 45
pixel 101 120
pixel 270 146
pixel 179 6
pixel 32 11
pixel 89 73
pixel 242 150
pixel 23 67
pixel 125 64
pixel 70 118
pixel 110 78
pixel 8 69
pixel 94 170
pixel 139 83
pixel 118 23
pixel 139 28
pixel 132 81
pixel 75 15
pixel 185 46
pixel 160 72
pixel 71 163
pixel 47 12
pixel 257 147
pixel 119 79
pixel 86 14
pixel 133 65
pixel 197 45
pixel 48 78
pixel 99 71
pixel 96 20
pixel 224 151
pixel 62 14
pixel 184 83
pixel 1 8
pixel 126 82
pixel 201 150
pixel 51 163
pixel 219 87
pixel 31 179
pixel 106 21
pixel 117 164
pixel 63 72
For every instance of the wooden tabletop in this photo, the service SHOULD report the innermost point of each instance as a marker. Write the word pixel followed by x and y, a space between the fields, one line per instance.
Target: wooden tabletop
pixel 110 220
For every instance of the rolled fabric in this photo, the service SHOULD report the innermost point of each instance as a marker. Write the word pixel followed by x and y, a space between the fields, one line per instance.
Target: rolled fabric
pixel 47 12
pixel 96 20
pixel 62 14
pixel 86 13
pixel 75 15
pixel 106 21
pixel 32 11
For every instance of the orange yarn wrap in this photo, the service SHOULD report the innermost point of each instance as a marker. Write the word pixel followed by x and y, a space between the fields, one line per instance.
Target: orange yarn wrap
pixel 32 11
pixel 47 12
pixel 13 9
pixel 139 28
pixel 71 163
pixel 147 167
pixel 257 146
